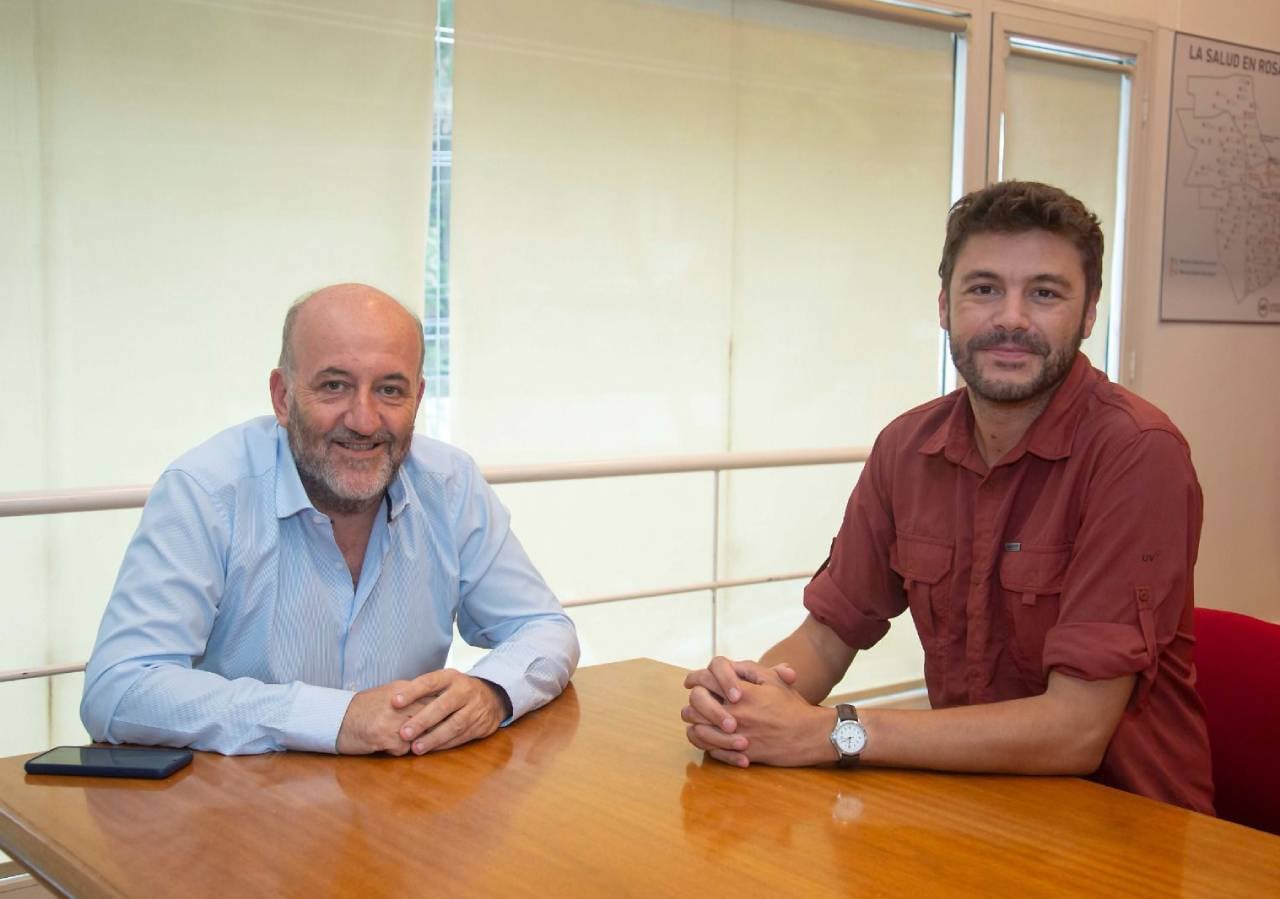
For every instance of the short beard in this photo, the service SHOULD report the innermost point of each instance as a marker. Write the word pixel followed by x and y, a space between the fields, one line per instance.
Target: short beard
pixel 1056 367
pixel 323 480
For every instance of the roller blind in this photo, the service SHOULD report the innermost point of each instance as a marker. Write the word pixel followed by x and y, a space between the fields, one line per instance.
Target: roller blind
pixel 691 226
pixel 197 166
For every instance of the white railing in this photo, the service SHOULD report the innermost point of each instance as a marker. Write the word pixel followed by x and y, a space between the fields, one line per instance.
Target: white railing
pixel 131 497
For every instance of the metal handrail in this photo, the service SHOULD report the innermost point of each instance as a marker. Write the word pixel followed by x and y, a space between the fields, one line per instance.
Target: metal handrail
pixel 47 671
pixel 82 499
pixel 51 502
pixel 101 499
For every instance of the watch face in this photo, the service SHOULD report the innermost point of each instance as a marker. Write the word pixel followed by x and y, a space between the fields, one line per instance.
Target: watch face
pixel 850 737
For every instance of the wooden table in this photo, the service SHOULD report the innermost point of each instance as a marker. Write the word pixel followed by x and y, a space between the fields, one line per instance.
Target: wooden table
pixel 598 794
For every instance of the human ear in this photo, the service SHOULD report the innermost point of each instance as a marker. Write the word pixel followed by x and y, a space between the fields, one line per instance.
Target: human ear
pixel 279 386
pixel 1090 317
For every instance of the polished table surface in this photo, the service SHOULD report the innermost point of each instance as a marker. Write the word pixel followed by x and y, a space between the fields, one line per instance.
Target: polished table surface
pixel 599 794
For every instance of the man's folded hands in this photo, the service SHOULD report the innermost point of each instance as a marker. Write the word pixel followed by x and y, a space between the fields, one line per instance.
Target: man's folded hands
pixel 743 712
pixel 438 710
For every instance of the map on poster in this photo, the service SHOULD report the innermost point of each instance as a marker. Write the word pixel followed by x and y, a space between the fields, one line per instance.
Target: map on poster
pixel 1222 185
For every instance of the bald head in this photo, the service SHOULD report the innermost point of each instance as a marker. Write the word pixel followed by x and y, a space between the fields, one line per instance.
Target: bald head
pixel 336 309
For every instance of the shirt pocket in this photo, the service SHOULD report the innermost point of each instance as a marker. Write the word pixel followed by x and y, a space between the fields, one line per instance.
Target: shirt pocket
pixel 1031 582
pixel 925 566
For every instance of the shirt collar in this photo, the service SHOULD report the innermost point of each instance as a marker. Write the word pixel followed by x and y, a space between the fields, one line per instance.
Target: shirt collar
pixel 1049 437
pixel 954 437
pixel 291 496
pixel 398 492
pixel 1052 433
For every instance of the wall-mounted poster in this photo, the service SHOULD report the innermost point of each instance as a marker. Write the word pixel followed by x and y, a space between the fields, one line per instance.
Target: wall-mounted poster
pixel 1222 185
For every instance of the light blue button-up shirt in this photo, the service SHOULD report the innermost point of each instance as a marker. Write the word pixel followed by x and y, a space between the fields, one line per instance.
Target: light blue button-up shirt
pixel 234 625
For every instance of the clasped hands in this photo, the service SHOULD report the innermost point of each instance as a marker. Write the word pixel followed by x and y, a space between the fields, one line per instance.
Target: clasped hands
pixel 744 712
pixel 438 710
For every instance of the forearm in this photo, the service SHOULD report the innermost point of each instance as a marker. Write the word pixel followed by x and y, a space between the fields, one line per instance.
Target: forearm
pixel 171 705
pixel 508 608
pixel 816 654
pixel 1052 733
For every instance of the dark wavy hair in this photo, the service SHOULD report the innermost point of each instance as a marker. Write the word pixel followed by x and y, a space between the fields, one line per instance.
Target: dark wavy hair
pixel 1012 207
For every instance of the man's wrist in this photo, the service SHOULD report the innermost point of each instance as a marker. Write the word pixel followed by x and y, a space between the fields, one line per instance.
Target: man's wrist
pixel 315 719
pixel 819 750
pixel 504 701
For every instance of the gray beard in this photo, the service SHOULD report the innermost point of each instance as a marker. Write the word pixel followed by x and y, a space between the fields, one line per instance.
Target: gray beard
pixel 322 483
pixel 323 496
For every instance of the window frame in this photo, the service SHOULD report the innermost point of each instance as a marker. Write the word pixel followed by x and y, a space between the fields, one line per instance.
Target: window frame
pixel 1011 20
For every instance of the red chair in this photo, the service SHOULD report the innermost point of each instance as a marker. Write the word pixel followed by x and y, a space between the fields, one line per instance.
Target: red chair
pixel 1238 678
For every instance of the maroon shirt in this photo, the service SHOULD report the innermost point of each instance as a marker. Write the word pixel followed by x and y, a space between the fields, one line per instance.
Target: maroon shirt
pixel 1074 552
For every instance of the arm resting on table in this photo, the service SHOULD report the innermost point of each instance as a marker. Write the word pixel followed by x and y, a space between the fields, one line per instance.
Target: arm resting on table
pixel 140 686
pixel 507 607
pixel 1064 730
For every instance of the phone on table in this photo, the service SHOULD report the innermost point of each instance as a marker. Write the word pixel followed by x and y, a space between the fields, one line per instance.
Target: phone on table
pixel 110 761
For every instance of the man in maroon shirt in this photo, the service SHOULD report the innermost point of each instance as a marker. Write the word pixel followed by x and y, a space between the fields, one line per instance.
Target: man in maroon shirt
pixel 1041 525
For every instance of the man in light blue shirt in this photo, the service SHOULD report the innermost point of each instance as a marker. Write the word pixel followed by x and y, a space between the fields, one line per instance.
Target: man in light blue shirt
pixel 294 581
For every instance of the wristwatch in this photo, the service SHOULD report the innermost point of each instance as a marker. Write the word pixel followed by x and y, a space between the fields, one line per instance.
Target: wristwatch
pixel 849 737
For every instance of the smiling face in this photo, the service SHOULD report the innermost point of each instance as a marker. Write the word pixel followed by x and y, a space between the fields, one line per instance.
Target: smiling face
pixel 348 394
pixel 1016 311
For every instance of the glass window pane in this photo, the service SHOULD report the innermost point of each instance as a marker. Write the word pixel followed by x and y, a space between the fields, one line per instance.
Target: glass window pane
pixel 1062 126
pixel 671 629
pixel 750 619
pixel 694 226
pixel 592 208
pixel 843 175
pixel 204 165
pixel 843 169
pixel 782 519
pixel 24 620
pixel 616 535
pixel 179 173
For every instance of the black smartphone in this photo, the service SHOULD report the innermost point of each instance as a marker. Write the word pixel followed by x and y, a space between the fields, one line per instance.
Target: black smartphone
pixel 109 761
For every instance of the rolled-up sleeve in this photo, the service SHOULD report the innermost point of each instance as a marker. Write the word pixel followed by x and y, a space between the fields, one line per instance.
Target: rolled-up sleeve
pixel 506 606
pixel 1128 587
pixel 856 592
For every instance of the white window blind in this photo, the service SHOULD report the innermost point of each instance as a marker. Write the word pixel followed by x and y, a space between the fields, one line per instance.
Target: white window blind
pixel 692 226
pixel 197 166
